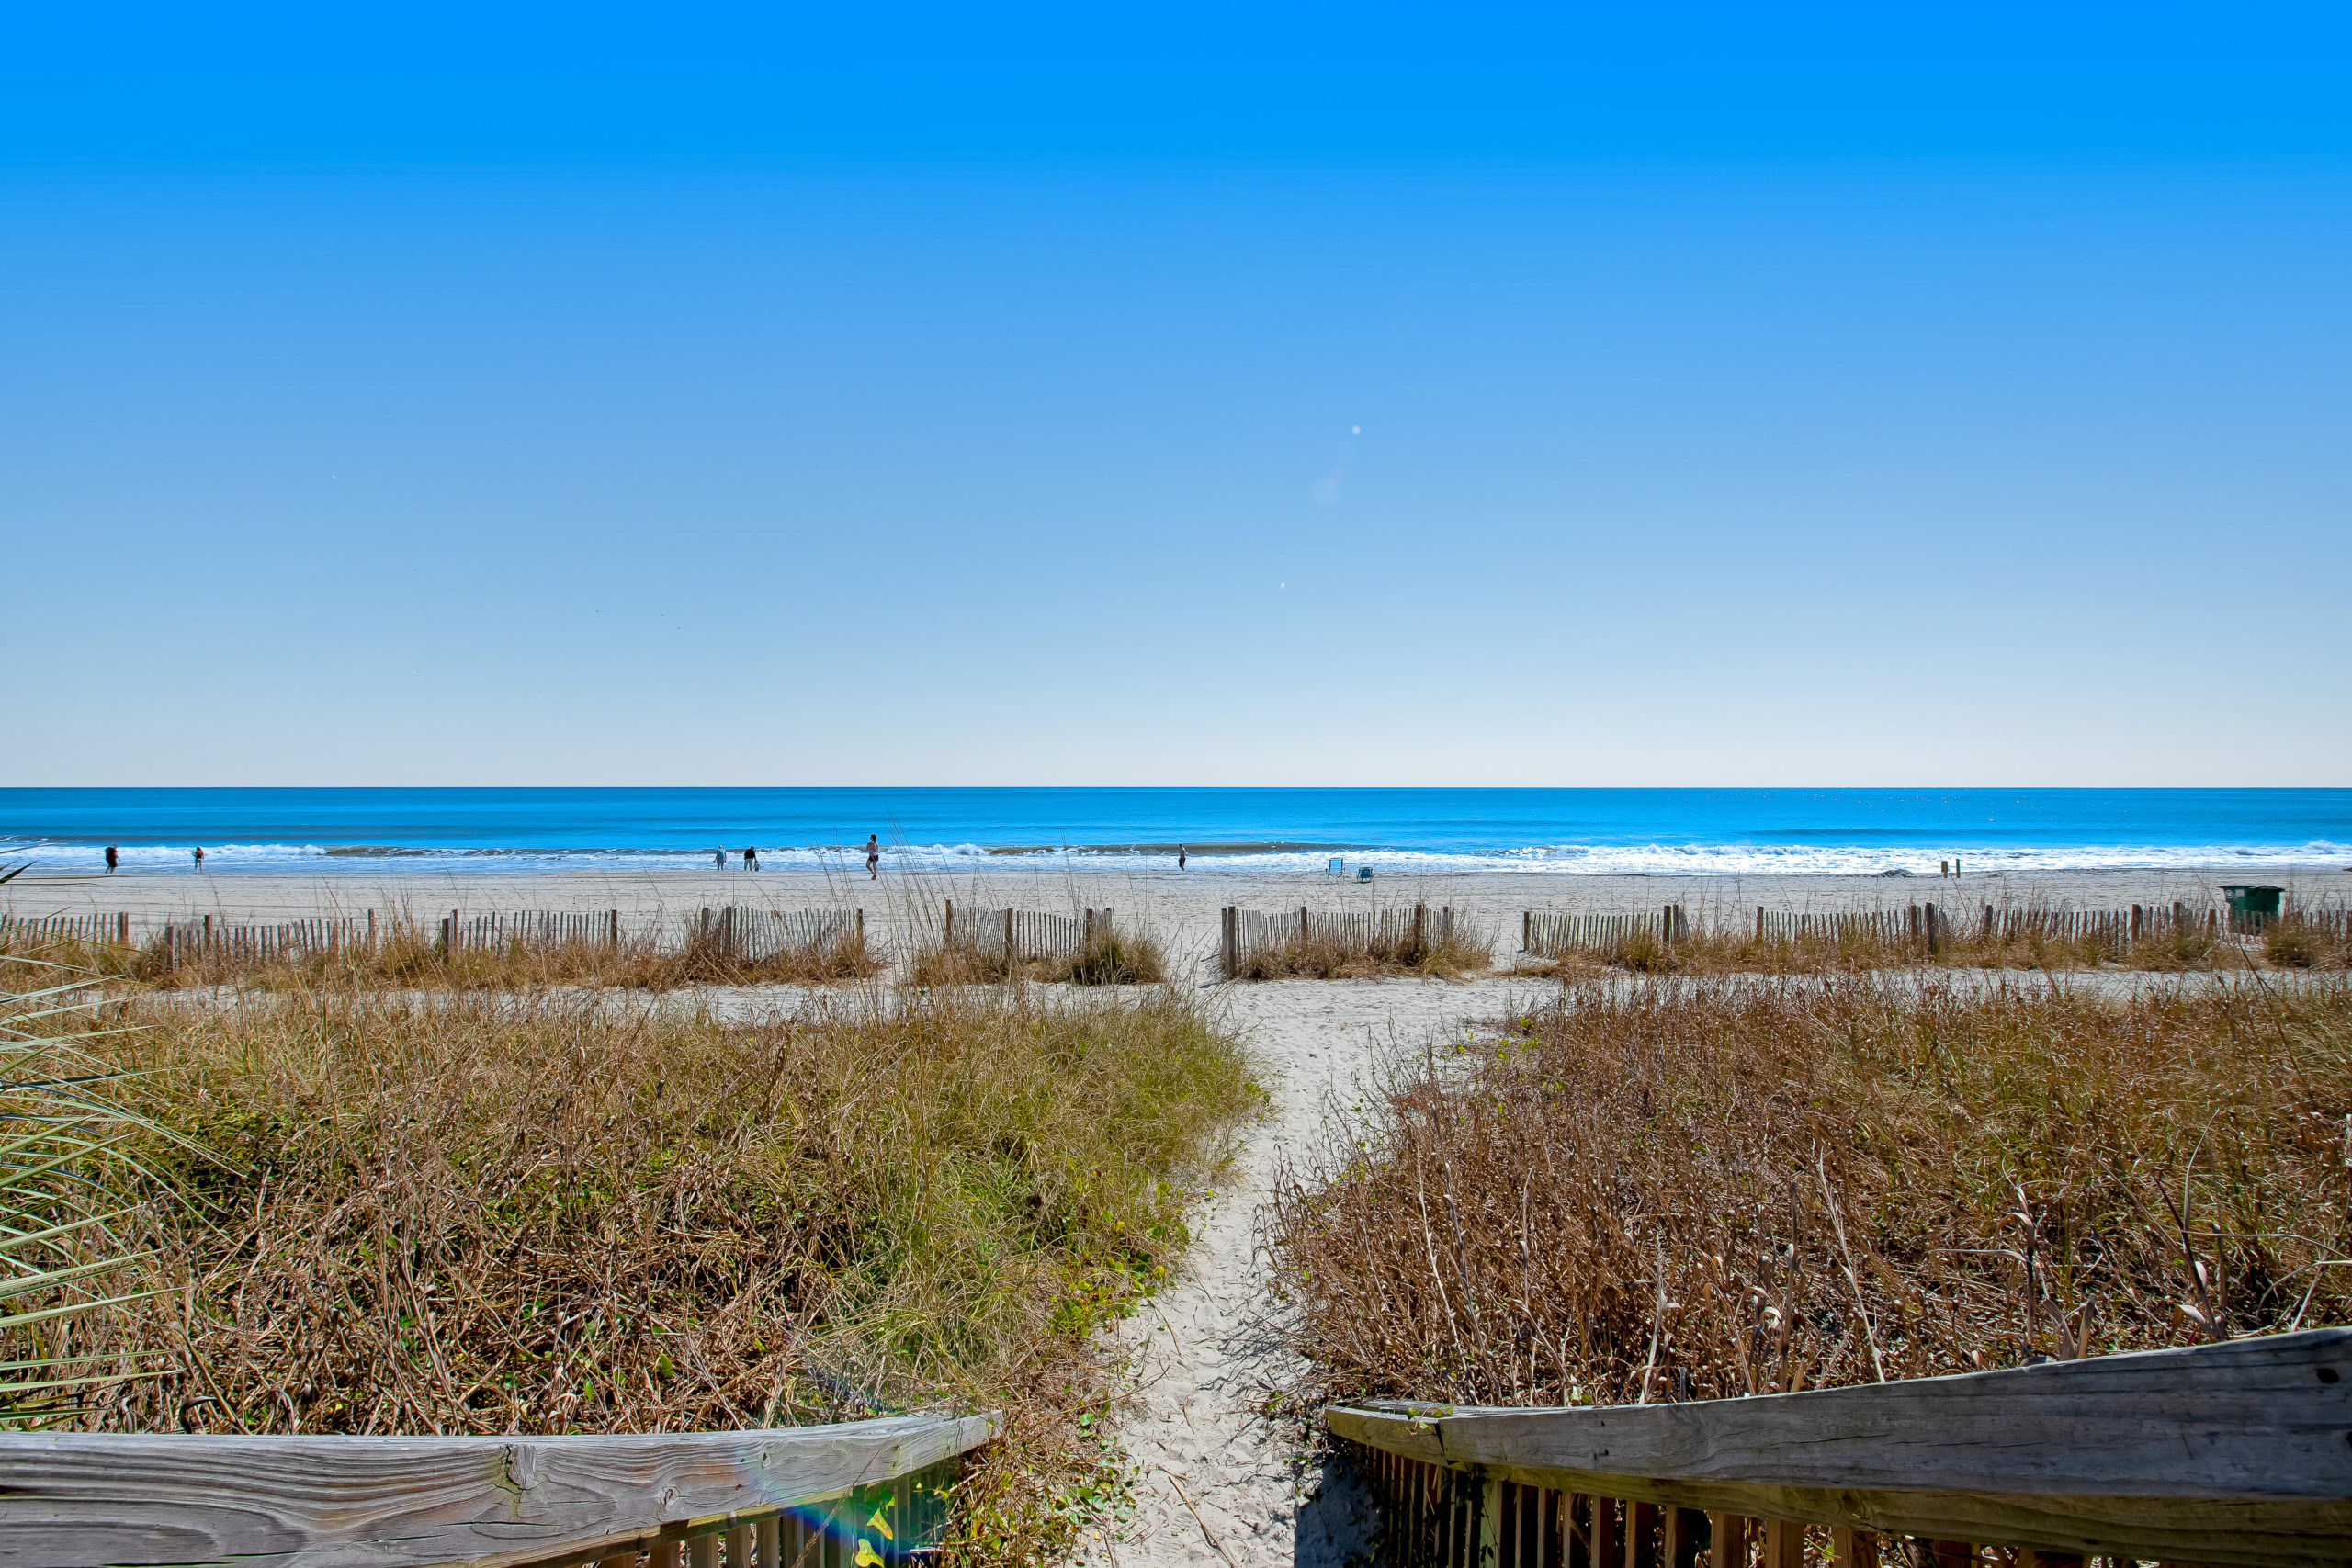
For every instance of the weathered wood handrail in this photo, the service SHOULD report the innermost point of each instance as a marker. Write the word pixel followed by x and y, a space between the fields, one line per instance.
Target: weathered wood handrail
pixel 2236 1453
pixel 834 1496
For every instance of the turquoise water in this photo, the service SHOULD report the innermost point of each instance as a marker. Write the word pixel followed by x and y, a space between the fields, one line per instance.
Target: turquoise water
pixel 1673 831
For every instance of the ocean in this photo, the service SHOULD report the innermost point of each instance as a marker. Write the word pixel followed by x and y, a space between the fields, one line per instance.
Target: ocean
pixel 1537 832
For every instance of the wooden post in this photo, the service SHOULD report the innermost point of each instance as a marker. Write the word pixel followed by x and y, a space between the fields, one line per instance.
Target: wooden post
pixel 665 1555
pixel 1302 925
pixel 1008 938
pixel 1420 915
pixel 1852 1548
pixel 208 932
pixel 1491 1518
pixel 1759 922
pixel 1230 944
pixel 1783 1544
pixel 1601 1532
pixel 739 1546
pixel 702 1551
pixel 1935 931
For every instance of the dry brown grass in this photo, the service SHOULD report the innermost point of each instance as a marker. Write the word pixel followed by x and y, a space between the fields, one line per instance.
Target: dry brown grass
pixel 1451 957
pixel 1109 957
pixel 2292 943
pixel 1689 1190
pixel 493 1214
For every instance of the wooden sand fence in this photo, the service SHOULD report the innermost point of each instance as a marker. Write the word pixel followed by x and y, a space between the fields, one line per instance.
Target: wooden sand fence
pixel 2232 1454
pixel 851 1495
pixel 531 930
pixel 1247 935
pixel 50 931
pixel 1547 934
pixel 1021 936
pixel 752 936
pixel 204 941
pixel 1924 927
pixel 747 935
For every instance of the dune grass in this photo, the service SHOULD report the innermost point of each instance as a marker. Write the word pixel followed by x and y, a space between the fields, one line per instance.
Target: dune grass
pixel 1108 957
pixel 1457 955
pixel 487 1214
pixel 1687 1190
pixel 69 1181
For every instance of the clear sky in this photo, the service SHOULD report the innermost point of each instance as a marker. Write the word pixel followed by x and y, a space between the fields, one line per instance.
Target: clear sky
pixel 1610 395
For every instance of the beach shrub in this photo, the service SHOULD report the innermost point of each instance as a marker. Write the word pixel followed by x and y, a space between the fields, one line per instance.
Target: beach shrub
pixel 1687 1190
pixel 2291 944
pixel 1113 957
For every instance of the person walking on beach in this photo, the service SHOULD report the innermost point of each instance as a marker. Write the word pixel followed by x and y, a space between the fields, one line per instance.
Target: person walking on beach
pixel 1180 857
pixel 718 860
pixel 750 857
pixel 199 857
pixel 872 858
pixel 113 856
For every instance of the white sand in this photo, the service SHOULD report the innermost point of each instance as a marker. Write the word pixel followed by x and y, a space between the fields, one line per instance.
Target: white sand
pixel 1216 1482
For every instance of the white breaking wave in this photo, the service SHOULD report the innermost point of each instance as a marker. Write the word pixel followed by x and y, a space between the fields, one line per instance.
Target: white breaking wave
pixel 1548 860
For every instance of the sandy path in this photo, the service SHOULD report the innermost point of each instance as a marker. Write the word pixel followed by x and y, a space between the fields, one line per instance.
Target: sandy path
pixel 1217 1484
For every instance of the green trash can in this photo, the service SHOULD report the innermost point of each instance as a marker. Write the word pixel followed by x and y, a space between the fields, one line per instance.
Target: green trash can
pixel 2252 906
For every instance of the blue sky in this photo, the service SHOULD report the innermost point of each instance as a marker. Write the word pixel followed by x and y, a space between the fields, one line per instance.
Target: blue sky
pixel 1753 396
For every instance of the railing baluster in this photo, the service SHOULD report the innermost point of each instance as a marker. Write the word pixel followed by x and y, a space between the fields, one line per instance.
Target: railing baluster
pixel 1641 1519
pixel 1726 1540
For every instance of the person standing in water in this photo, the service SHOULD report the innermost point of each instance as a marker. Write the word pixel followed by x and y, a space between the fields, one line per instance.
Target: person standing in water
pixel 1180 857
pixel 872 858
pixel 750 857
pixel 199 857
pixel 718 860
pixel 113 856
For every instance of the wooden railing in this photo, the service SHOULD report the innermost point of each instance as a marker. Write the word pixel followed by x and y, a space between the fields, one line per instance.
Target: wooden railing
pixel 2236 1453
pixel 840 1496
